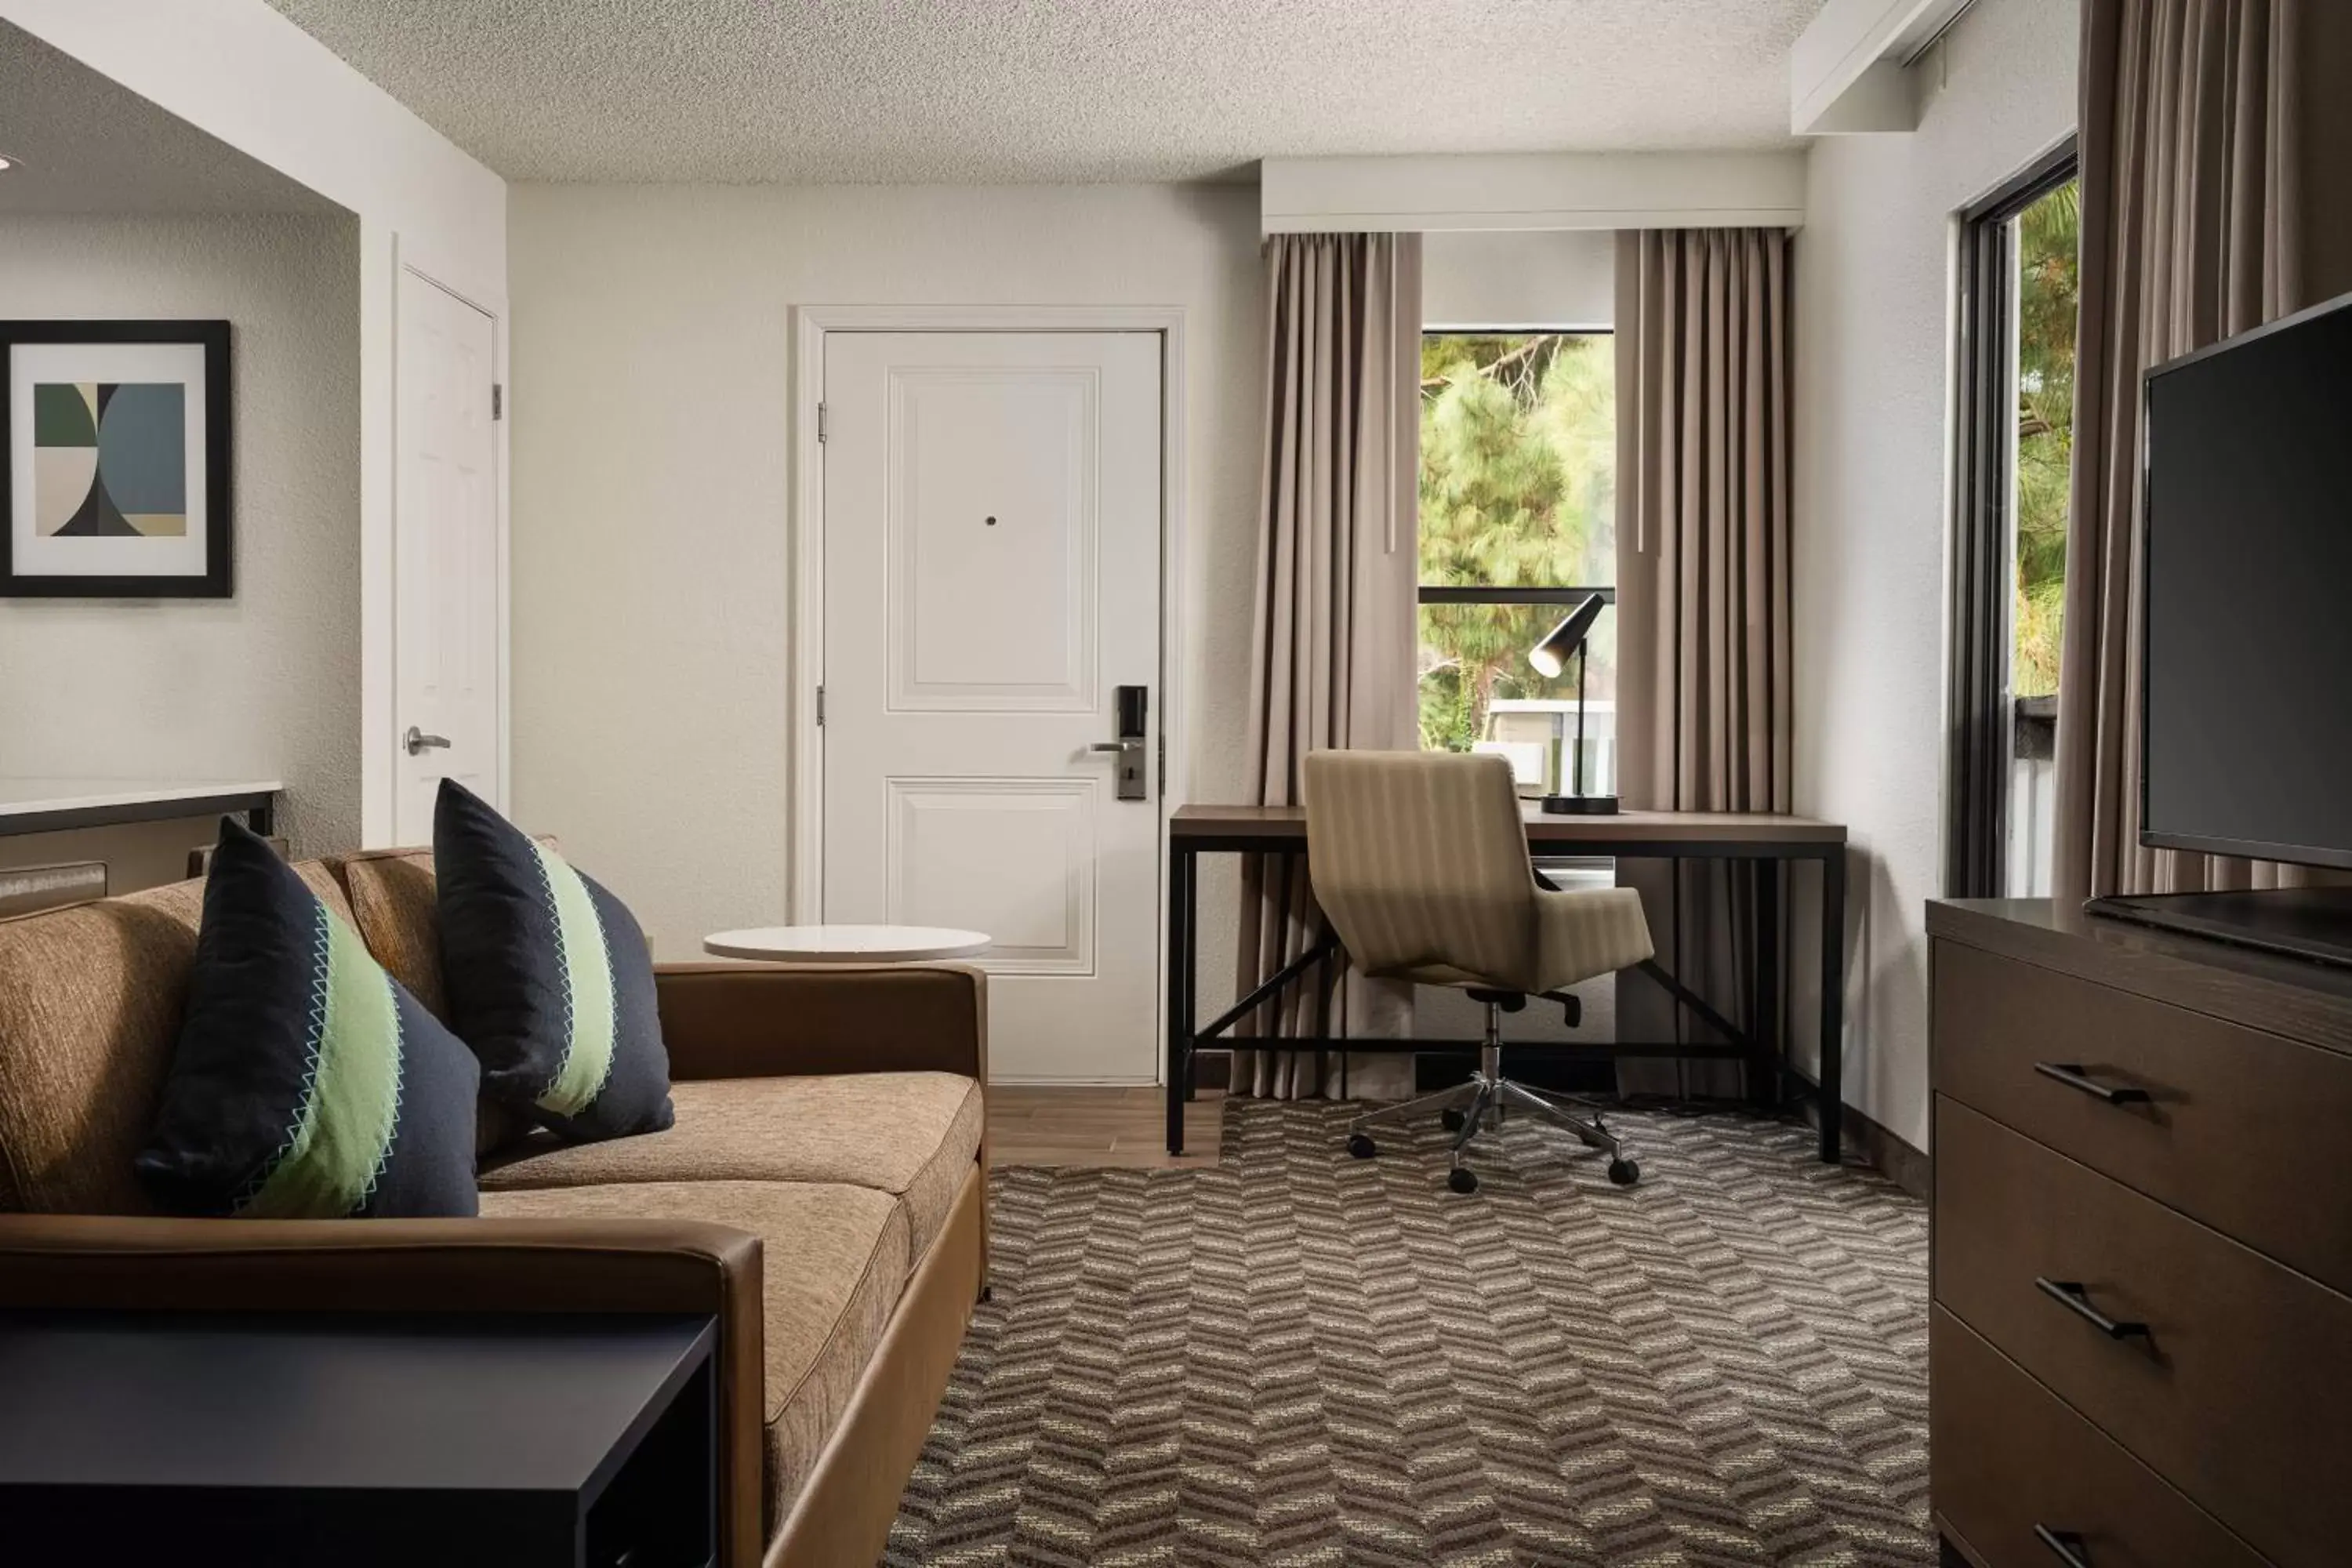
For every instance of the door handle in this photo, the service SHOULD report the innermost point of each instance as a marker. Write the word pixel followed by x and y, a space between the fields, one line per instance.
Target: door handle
pixel 2064 1545
pixel 2076 1299
pixel 1129 773
pixel 2073 1077
pixel 1132 704
pixel 418 741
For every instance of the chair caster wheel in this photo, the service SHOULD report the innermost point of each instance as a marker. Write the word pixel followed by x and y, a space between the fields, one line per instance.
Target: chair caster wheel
pixel 1362 1146
pixel 1462 1179
pixel 1624 1173
pixel 1451 1121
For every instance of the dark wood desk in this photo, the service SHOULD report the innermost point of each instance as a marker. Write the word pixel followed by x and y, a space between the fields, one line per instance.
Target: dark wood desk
pixel 276 1442
pixel 1767 839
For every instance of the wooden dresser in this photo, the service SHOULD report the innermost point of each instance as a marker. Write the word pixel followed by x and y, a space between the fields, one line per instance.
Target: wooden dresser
pixel 2141 1341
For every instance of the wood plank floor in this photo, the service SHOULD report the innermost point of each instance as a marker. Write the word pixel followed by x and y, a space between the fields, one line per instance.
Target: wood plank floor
pixel 1031 1126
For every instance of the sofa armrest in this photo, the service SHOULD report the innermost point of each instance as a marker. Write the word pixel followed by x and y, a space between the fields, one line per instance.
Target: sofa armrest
pixel 737 1020
pixel 587 1265
pixel 90 1262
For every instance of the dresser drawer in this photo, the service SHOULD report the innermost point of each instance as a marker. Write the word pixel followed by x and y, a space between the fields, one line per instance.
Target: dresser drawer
pixel 2242 1130
pixel 2007 1455
pixel 2239 1393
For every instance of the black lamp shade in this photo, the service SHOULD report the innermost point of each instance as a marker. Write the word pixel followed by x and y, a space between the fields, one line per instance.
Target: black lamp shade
pixel 1549 656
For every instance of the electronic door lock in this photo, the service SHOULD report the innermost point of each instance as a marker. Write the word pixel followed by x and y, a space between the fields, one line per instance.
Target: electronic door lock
pixel 1134 708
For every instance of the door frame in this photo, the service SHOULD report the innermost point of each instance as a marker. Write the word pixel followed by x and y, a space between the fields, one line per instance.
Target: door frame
pixel 810 326
pixel 379 584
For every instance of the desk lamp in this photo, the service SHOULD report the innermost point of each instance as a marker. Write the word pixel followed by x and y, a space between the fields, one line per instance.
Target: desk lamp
pixel 1550 657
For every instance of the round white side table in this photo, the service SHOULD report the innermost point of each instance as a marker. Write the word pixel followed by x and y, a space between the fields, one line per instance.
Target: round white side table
pixel 847 943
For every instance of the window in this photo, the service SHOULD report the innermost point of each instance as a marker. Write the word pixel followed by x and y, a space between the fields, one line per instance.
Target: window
pixel 2018 275
pixel 1518 495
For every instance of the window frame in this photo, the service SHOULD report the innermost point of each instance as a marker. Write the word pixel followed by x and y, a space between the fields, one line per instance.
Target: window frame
pixel 1982 716
pixel 1439 594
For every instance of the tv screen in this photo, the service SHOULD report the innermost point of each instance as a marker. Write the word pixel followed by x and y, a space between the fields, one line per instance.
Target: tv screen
pixel 2246 746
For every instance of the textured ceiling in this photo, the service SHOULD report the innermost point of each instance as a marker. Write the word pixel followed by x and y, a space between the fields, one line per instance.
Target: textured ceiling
pixel 84 144
pixel 995 90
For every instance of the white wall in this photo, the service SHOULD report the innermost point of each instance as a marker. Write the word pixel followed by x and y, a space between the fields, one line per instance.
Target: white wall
pixel 1874 296
pixel 651 548
pixel 266 684
pixel 240 71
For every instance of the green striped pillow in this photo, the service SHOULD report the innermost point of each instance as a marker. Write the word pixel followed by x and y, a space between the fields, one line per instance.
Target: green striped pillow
pixel 306 1083
pixel 548 978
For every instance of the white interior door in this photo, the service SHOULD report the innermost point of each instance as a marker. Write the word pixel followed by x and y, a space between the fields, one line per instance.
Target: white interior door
pixel 446 626
pixel 991 578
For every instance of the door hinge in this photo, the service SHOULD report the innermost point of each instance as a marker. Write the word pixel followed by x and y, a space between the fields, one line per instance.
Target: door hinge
pixel 820 422
pixel 497 400
pixel 820 707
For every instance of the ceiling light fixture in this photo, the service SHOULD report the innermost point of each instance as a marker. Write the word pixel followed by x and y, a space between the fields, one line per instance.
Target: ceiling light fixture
pixel 7 162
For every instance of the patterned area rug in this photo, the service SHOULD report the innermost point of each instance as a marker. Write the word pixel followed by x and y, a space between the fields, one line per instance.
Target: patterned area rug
pixel 1300 1358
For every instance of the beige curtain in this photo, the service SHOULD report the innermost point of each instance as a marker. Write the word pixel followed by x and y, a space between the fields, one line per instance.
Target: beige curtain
pixel 1332 655
pixel 1703 602
pixel 2204 125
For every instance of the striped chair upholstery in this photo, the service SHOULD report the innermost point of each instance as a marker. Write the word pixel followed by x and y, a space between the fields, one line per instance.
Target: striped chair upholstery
pixel 1419 861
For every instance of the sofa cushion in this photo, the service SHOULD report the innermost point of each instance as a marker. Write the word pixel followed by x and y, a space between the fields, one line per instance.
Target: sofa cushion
pixel 834 1261
pixel 306 1083
pixel 395 905
pixel 393 894
pixel 392 904
pixel 89 1007
pixel 548 978
pixel 913 1135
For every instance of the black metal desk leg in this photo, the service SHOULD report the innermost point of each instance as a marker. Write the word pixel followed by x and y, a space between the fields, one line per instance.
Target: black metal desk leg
pixel 1833 1066
pixel 1769 1049
pixel 1192 992
pixel 1179 1069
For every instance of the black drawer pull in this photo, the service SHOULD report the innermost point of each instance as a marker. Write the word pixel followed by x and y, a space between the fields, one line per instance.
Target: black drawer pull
pixel 2064 1545
pixel 2073 1077
pixel 2077 1299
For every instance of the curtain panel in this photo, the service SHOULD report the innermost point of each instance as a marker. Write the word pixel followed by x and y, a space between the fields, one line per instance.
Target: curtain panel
pixel 1703 600
pixel 2202 123
pixel 1335 634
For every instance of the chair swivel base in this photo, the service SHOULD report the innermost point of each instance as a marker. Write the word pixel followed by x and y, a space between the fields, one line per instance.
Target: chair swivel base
pixel 1473 1107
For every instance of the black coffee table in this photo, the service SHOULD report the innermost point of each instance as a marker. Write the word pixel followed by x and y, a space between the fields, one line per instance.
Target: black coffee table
pixel 585 1442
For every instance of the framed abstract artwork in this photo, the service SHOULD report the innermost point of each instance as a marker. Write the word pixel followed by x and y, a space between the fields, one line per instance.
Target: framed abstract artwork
pixel 114 459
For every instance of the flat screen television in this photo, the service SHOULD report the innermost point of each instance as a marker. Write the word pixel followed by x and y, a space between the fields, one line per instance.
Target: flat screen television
pixel 2246 626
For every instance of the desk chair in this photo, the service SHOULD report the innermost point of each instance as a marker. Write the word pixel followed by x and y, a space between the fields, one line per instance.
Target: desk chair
pixel 1420 861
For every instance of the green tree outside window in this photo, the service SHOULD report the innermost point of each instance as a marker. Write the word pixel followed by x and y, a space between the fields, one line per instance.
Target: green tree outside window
pixel 1518 490
pixel 2048 271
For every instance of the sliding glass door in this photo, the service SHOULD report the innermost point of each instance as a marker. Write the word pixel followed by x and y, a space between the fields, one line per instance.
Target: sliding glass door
pixel 2015 449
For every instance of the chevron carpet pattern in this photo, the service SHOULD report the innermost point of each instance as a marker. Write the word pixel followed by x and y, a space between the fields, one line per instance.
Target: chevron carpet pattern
pixel 1299 1358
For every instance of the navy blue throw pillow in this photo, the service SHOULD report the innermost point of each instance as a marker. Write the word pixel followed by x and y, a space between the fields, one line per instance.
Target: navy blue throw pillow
pixel 548 976
pixel 306 1083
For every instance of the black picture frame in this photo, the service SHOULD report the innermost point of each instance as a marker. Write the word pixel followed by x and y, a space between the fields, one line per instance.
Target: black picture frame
pixel 213 583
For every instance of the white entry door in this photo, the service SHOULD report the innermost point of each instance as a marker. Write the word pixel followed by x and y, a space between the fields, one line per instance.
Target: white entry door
pixel 992 579
pixel 446 548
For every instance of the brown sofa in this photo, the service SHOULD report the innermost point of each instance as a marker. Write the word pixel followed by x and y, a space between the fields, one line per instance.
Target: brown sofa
pixel 828 1118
